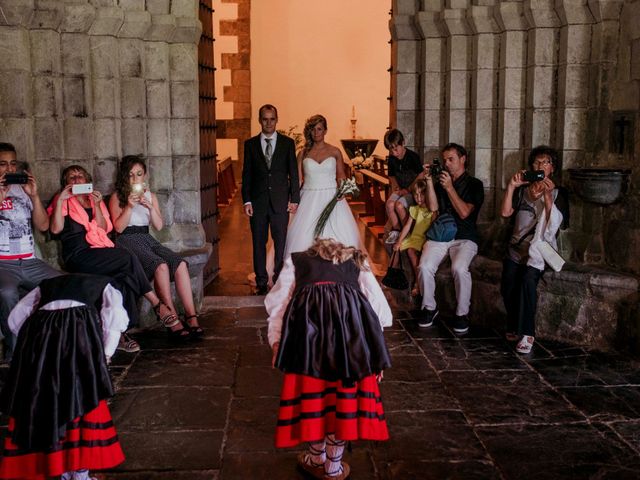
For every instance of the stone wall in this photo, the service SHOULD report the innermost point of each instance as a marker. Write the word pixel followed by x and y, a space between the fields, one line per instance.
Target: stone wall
pixel 239 91
pixel 503 76
pixel 90 81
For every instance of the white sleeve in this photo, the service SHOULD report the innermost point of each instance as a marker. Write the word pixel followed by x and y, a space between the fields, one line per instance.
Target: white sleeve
pixel 371 289
pixel 114 319
pixel 23 309
pixel 278 298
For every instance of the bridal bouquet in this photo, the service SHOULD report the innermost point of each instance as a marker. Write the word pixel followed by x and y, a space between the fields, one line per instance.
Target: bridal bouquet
pixel 347 187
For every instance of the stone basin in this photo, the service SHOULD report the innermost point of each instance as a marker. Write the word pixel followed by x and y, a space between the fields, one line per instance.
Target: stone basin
pixel 367 145
pixel 603 186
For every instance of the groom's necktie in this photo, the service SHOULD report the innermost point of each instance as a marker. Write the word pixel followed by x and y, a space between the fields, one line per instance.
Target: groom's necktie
pixel 268 151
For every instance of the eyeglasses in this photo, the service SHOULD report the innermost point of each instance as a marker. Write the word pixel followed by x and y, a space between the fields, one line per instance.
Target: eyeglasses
pixel 541 162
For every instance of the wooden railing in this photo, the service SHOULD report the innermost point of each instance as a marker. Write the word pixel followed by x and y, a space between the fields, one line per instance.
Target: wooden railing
pixel 375 190
pixel 226 181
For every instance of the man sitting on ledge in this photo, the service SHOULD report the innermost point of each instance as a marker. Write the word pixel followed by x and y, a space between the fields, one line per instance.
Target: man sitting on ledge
pixel 20 270
pixel 459 194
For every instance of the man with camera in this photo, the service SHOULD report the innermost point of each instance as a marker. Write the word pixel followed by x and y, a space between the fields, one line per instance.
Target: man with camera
pixel 20 208
pixel 458 197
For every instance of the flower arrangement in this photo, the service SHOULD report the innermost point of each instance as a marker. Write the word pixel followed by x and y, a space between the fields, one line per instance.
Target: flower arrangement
pixel 347 187
pixel 360 160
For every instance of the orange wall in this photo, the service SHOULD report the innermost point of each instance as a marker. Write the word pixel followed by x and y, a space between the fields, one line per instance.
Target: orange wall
pixel 322 56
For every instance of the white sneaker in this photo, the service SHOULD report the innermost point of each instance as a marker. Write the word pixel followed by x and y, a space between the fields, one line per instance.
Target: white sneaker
pixel 525 344
pixel 392 237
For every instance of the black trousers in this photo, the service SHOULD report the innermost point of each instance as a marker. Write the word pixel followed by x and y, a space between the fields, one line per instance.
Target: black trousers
pixel 119 264
pixel 260 224
pixel 519 292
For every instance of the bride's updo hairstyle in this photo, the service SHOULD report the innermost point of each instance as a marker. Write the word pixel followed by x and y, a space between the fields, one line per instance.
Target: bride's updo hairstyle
pixel 336 252
pixel 308 126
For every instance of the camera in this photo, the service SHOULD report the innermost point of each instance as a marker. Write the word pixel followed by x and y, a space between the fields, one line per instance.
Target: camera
pixel 435 169
pixel 82 188
pixel 533 175
pixel 16 178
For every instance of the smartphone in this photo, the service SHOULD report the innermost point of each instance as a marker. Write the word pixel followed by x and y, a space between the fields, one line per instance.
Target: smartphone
pixel 137 188
pixel 82 188
pixel 533 175
pixel 16 178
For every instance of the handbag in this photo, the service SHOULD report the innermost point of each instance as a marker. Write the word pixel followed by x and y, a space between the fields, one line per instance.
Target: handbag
pixel 444 228
pixel 395 277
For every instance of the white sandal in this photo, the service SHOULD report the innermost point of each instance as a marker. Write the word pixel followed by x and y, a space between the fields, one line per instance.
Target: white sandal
pixel 525 344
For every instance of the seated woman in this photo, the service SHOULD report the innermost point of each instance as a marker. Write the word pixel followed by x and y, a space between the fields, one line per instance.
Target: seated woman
pixel 82 223
pixel 133 208
pixel 538 208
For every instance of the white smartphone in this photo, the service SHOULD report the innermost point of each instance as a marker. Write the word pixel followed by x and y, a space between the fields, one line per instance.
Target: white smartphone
pixel 82 188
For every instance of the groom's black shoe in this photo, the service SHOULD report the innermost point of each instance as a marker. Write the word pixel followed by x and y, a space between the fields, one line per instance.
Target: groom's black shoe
pixel 261 290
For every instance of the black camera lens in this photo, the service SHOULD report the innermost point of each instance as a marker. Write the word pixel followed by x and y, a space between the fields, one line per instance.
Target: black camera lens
pixel 435 169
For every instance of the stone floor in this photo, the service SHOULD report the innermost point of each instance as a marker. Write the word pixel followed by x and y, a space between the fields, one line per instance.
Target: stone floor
pixel 457 408
pixel 465 408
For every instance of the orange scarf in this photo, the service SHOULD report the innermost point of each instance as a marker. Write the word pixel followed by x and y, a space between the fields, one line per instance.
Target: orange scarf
pixel 96 237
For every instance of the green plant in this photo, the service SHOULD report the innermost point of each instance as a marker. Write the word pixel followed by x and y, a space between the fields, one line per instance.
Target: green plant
pixel 298 137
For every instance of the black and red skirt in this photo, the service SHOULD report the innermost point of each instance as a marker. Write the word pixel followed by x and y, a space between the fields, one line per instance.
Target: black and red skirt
pixel 90 443
pixel 311 408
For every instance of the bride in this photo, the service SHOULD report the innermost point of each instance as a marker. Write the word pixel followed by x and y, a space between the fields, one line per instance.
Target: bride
pixel 321 168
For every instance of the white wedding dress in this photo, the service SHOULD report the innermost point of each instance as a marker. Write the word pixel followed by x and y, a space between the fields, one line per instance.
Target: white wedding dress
pixel 318 190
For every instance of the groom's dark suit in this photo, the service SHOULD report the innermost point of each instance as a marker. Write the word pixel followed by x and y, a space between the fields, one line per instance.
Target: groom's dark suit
pixel 269 190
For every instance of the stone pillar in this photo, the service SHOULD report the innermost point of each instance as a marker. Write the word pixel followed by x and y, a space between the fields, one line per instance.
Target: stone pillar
pixel 484 101
pixel 458 73
pixel 511 101
pixel 573 81
pixel 542 60
pixel 432 78
pixel 405 78
pixel 238 92
pixel 604 56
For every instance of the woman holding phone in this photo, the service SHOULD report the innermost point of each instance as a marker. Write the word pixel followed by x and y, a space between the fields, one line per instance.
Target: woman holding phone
pixel 134 208
pixel 82 223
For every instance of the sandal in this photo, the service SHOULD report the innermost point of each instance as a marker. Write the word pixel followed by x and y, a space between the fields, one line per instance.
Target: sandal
pixel 525 344
pixel 127 344
pixel 196 330
pixel 169 321
pixel 304 463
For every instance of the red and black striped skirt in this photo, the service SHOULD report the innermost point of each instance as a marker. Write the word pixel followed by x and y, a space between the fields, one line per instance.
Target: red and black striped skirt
pixel 311 408
pixel 90 443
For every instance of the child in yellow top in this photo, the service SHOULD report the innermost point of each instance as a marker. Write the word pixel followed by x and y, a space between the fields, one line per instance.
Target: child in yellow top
pixel 420 218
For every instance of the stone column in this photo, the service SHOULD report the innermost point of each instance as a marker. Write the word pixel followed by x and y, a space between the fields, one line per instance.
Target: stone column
pixel 432 78
pixel 458 73
pixel 542 60
pixel 573 81
pixel 405 78
pixel 511 101
pixel 484 100
pixel 604 56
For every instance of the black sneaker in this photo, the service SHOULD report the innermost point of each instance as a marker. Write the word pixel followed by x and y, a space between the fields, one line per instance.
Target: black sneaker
pixel 427 317
pixel 460 325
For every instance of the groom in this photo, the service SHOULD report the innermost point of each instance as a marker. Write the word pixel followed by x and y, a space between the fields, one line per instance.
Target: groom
pixel 270 190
